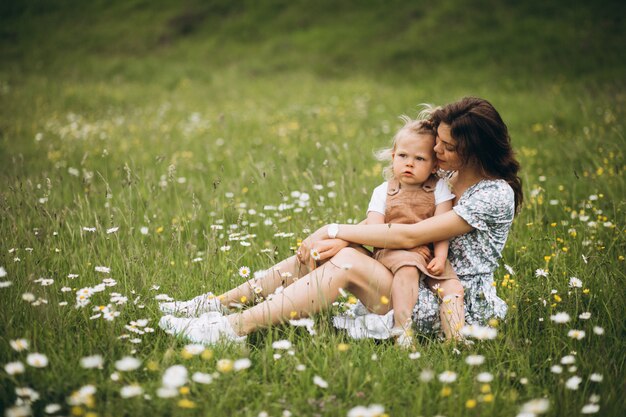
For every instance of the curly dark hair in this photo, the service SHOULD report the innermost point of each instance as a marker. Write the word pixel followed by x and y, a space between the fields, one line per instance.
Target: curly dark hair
pixel 482 138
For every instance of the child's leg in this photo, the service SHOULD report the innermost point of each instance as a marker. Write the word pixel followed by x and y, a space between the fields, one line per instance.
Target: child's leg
pixel 451 309
pixel 404 293
pixel 283 273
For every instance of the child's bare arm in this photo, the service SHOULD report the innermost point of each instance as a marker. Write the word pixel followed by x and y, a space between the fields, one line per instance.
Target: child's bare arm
pixel 437 265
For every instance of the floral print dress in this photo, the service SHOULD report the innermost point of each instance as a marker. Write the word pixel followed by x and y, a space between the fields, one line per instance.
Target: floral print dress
pixel 488 206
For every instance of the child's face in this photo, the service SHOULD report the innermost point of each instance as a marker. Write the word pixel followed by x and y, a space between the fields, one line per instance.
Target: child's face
pixel 414 159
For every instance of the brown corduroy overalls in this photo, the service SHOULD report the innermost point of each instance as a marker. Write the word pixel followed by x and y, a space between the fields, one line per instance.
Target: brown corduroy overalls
pixel 408 207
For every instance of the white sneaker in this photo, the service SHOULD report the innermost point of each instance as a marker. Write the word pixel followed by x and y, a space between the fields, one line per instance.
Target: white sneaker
pixel 208 329
pixel 204 303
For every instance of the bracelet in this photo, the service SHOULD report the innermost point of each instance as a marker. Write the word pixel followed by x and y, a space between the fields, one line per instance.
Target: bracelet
pixel 333 229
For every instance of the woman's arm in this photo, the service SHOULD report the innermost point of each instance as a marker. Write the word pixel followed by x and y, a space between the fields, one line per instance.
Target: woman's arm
pixel 401 236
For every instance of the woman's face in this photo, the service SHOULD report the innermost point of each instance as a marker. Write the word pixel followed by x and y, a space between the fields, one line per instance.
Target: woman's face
pixel 445 149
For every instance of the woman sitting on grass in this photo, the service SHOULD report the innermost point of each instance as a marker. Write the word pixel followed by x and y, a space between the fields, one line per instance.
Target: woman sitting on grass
pixel 473 141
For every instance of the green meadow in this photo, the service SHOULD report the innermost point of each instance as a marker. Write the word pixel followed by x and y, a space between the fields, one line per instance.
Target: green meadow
pixel 150 149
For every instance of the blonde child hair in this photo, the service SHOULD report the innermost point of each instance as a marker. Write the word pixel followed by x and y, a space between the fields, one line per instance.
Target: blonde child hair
pixel 419 126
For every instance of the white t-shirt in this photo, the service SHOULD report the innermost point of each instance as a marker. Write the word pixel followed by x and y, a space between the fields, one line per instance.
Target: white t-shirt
pixel 379 196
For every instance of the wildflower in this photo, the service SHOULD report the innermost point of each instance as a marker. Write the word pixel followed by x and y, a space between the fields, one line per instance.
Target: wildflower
pixel 37 360
pixel 598 330
pixel 384 300
pixel 590 409
pixel 94 361
pixel 202 378
pixel 127 363
pixel 112 230
pixel 19 344
pixel 576 334
pixel 446 391
pixel 14 368
pixel 447 377
pixel 129 391
pixel 315 254
pixel 342 347
pixel 103 269
pixel 414 355
pixel 541 273
pixel 52 408
pixel 282 344
pixel 373 410
pixel 484 377
pixel 596 377
pixel 426 375
pixel 166 392
pixel 537 406
pixel 317 380
pixel 556 369
pixel 185 403
pixel 560 317
pixel 143 230
pixel 575 282
pixel 568 360
pixel 3 272
pixel 509 269
pixel 479 332
pixel 175 376
pixel 471 403
pixel 474 360
pixel 224 365
pixel 241 364
pixel 573 382
pixel 28 297
pixel 300 367
pixel 194 349
pixel 585 316
pixel 306 322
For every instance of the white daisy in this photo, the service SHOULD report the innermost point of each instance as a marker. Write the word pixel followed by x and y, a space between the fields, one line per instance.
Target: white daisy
pixel 317 380
pixel 127 363
pixel 175 376
pixel 37 360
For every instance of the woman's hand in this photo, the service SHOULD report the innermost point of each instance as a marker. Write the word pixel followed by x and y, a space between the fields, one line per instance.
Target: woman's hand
pixel 304 251
pixel 327 248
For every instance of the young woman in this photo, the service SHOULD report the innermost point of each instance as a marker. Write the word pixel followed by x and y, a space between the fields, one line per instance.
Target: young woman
pixel 473 141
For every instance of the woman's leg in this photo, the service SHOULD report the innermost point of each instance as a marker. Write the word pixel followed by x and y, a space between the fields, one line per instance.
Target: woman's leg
pixel 366 278
pixel 283 273
pixel 404 292
pixel 451 310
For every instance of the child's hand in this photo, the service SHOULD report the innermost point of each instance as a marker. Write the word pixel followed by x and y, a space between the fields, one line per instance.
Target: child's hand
pixel 437 265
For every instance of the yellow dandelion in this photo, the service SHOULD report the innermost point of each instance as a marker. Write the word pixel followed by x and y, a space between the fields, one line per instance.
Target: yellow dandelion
pixel 446 391
pixel 184 390
pixel 586 291
pixel 485 388
pixel 185 403
pixel 293 314
pixel 384 300
pixel 207 355
pixel 185 354
pixel 557 298
pixel 152 366
pixel 159 229
pixel 77 411
pixel 471 403
pixel 243 299
pixel 342 347
pixel 91 414
pixel 352 300
pixel 494 322
pixel 224 365
pixel 488 398
pixel 620 258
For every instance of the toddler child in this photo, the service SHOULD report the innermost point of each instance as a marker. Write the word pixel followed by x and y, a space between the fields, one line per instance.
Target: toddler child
pixel 411 194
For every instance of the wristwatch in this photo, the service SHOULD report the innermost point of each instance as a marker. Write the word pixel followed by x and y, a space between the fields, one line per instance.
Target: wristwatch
pixel 333 229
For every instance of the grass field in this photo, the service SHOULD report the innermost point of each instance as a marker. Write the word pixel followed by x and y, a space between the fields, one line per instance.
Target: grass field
pixel 151 148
